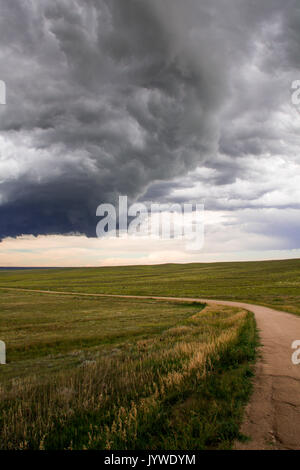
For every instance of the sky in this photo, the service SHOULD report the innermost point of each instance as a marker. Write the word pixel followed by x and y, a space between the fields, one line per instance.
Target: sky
pixel 167 101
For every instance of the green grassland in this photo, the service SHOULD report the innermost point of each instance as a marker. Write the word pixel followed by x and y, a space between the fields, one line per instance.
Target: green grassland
pixel 112 373
pixel 272 283
pixel 37 325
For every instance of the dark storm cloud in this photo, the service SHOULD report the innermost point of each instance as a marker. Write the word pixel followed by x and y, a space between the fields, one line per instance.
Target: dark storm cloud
pixel 111 96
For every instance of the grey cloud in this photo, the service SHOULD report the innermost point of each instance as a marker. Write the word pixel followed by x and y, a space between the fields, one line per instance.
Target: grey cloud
pixel 114 96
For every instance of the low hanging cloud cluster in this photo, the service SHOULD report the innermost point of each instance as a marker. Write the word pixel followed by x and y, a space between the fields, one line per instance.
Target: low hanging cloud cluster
pixel 109 97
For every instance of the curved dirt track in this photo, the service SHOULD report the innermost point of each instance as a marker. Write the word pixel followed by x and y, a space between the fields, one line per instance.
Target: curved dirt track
pixel 272 418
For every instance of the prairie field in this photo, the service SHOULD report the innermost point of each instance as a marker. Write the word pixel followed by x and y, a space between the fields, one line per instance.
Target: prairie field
pixel 88 372
pixel 270 283
pixel 111 373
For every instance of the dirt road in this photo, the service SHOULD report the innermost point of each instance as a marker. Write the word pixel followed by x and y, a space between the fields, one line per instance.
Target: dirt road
pixel 272 418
